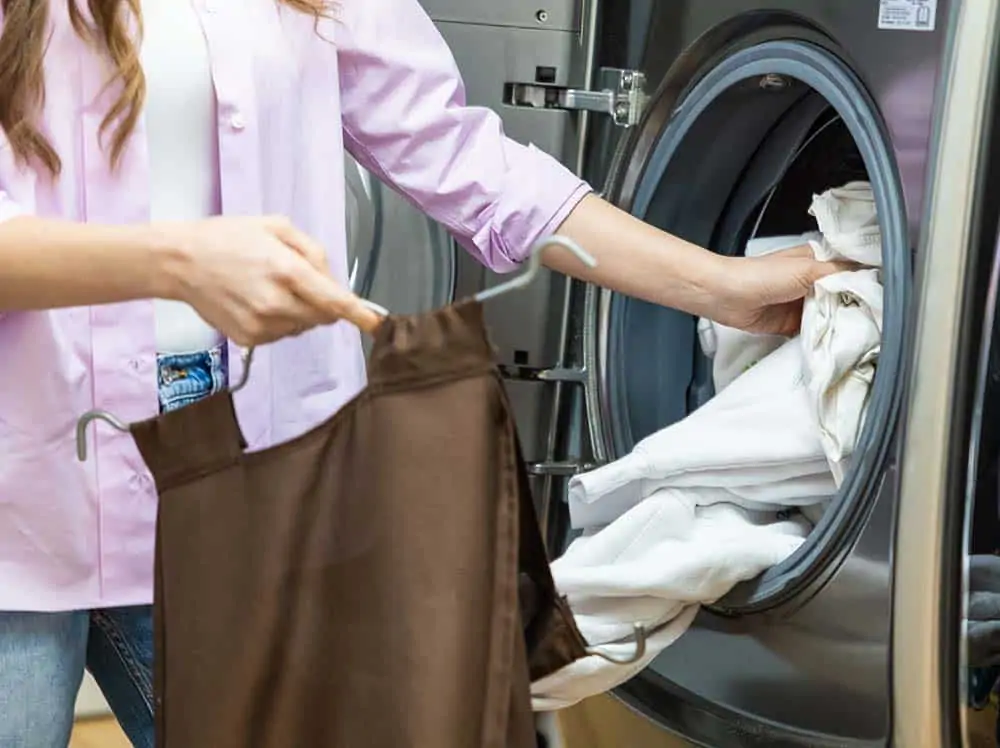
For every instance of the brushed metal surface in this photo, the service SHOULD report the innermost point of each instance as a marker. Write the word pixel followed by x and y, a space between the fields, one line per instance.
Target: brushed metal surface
pixel 921 564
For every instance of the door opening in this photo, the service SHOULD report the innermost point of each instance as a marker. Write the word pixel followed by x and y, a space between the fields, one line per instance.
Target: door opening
pixel 745 148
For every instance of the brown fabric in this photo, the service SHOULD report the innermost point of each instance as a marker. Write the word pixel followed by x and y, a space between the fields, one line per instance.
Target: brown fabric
pixel 379 581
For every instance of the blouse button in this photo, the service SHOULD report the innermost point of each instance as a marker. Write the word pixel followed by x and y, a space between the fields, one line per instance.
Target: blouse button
pixel 237 122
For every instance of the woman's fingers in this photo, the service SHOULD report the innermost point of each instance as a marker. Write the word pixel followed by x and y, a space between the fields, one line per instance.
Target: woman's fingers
pixel 330 301
pixel 802 250
pixel 817 268
pixel 314 284
pixel 365 319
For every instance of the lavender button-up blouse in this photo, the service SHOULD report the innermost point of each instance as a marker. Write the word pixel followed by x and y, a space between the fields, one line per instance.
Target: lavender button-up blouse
pixel 378 80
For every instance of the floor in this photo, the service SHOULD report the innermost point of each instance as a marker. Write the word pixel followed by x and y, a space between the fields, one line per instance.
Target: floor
pixel 600 722
pixel 590 724
pixel 98 733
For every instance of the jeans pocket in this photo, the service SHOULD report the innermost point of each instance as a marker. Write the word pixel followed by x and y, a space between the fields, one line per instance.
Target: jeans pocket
pixel 188 377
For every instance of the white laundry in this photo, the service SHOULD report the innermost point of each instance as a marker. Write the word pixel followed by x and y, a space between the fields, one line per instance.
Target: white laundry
pixel 848 222
pixel 842 319
pixel 734 351
pixel 842 337
pixel 593 675
pixel 694 509
pixel 756 444
pixel 654 566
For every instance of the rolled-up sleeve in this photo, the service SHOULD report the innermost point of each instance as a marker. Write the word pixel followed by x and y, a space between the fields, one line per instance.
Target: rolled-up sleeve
pixel 406 120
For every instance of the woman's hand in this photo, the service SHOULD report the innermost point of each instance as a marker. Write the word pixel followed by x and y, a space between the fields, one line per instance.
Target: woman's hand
pixel 254 279
pixel 765 294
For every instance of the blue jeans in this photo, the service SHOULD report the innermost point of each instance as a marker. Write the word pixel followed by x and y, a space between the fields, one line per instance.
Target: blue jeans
pixel 42 658
pixel 43 655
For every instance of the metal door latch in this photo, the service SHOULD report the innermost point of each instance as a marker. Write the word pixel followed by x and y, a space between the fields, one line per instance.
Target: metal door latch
pixel 620 94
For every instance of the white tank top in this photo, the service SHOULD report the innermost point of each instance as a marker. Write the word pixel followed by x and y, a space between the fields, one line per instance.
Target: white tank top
pixel 183 139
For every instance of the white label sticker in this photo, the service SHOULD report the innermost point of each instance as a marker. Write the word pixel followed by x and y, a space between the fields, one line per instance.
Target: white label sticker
pixel 907 15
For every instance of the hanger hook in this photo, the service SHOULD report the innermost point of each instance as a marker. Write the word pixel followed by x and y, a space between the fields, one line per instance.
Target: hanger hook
pixel 246 356
pixel 84 421
pixel 534 264
pixel 639 637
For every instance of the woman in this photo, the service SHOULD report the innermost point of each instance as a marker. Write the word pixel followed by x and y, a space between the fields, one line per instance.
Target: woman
pixel 142 142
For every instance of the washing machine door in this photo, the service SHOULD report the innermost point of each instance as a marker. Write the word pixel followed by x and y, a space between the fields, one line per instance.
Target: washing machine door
pixel 397 257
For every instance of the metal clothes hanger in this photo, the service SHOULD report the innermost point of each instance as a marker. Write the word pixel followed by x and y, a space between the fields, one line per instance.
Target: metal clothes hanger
pixel 638 636
pixel 524 279
pixel 99 414
pixel 534 265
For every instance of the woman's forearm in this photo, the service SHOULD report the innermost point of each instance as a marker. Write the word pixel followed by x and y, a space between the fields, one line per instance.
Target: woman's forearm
pixel 46 264
pixel 637 259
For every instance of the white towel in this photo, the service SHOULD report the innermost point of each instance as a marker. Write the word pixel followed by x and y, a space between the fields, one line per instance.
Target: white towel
pixel 655 565
pixel 734 351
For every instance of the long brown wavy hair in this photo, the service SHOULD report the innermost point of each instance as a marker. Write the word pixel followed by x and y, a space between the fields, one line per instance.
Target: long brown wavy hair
pixel 22 81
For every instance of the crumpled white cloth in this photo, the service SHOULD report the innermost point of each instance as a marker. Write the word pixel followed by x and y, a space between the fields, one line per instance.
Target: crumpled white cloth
pixel 654 566
pixel 842 320
pixel 694 509
pixel 734 351
pixel 848 224
pixel 848 230
pixel 842 337
pixel 755 444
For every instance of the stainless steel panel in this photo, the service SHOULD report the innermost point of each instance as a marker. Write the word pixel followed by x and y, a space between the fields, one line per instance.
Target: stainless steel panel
pixel 553 15
pixel 529 401
pixel 490 57
pixel 492 48
pixel 921 563
pixel 522 326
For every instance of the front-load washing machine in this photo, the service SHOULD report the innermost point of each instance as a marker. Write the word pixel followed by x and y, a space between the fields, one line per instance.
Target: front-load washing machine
pixel 717 121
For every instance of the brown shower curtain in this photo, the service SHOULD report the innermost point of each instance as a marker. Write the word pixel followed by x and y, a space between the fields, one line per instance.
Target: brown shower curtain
pixel 378 581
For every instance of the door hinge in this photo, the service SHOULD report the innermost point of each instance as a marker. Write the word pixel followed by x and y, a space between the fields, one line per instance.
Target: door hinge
pixel 621 94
